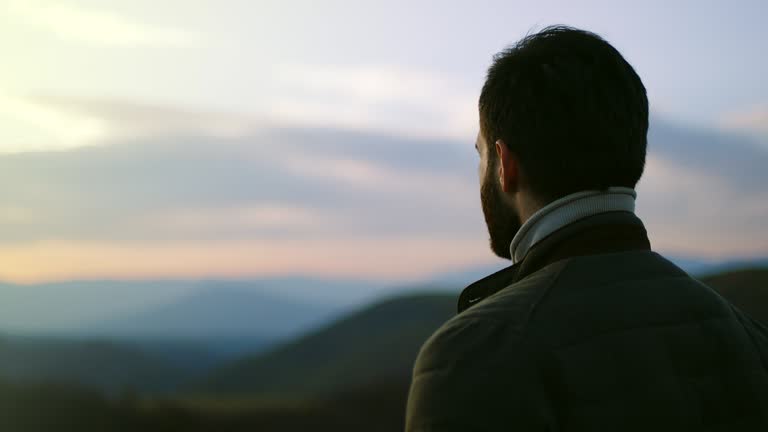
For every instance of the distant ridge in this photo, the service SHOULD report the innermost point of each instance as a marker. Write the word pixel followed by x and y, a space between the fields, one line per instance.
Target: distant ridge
pixel 702 268
pixel 99 365
pixel 376 343
pixel 219 311
pixel 113 307
pixel 380 343
pixel 746 289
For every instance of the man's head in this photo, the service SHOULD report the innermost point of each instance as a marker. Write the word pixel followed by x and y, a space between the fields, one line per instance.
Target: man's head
pixel 561 111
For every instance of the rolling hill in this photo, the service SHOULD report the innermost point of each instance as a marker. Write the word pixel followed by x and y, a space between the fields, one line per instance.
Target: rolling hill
pixel 102 366
pixel 361 350
pixel 178 308
pixel 156 349
pixel 67 408
pixel 380 343
pixel 747 289
pixel 376 343
pixel 218 312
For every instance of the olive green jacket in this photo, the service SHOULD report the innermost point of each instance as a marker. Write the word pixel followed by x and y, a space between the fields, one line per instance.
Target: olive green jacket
pixel 592 331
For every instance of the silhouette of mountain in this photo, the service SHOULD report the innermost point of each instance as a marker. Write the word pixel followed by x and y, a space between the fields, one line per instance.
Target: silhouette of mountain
pixel 701 268
pixel 746 289
pixel 156 349
pixel 99 365
pixel 221 311
pixel 177 308
pixel 55 407
pixel 373 345
pixel 381 342
pixel 61 307
pixel 376 343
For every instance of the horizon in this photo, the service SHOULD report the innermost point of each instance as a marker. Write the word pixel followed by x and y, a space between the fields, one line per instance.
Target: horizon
pixel 694 265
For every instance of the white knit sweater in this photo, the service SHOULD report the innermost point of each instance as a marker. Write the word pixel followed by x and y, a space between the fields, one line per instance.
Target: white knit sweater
pixel 567 210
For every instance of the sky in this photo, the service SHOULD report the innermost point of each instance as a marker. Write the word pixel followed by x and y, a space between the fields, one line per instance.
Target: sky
pixel 198 138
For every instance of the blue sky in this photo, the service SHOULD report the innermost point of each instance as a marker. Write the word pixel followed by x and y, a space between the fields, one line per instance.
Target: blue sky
pixel 239 138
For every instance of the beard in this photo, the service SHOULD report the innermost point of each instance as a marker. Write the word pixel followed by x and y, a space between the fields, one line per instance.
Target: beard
pixel 501 218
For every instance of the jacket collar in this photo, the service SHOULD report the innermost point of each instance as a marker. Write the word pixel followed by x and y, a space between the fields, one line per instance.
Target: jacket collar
pixel 609 232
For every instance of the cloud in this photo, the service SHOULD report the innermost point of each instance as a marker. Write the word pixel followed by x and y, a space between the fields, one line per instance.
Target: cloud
pixel 378 99
pixel 186 202
pixel 263 218
pixel 14 215
pixel 98 27
pixel 41 123
pixel 374 177
pixel 734 159
pixel 417 103
pixel 394 258
pixel 367 82
pixel 30 125
pixel 128 119
pixel 754 120
pixel 692 212
pixel 131 189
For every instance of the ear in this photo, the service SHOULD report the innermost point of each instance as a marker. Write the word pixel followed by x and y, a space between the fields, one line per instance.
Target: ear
pixel 509 168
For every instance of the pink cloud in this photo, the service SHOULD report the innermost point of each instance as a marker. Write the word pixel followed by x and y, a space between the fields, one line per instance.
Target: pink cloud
pixel 754 120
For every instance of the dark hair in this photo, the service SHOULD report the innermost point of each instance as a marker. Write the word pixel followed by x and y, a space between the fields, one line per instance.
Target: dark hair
pixel 572 110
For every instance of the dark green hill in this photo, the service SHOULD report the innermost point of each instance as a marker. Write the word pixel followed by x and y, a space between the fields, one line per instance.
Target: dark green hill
pixel 105 366
pixel 747 289
pixel 381 342
pixel 48 408
pixel 372 345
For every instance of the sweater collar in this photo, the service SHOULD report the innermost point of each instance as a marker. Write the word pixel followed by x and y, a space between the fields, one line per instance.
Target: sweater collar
pixel 567 210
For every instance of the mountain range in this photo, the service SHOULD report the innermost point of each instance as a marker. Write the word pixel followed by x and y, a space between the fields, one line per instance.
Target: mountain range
pixel 350 374
pixel 235 339
pixel 375 343
pixel 381 342
pixel 214 310
pixel 177 309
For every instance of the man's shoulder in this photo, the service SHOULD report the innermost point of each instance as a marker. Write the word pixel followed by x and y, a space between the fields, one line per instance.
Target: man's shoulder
pixel 584 283
pixel 459 344
pixel 584 320
pixel 479 362
pixel 510 312
pixel 514 302
pixel 511 300
pixel 475 334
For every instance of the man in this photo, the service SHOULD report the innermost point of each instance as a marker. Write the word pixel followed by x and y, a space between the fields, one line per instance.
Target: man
pixel 588 330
